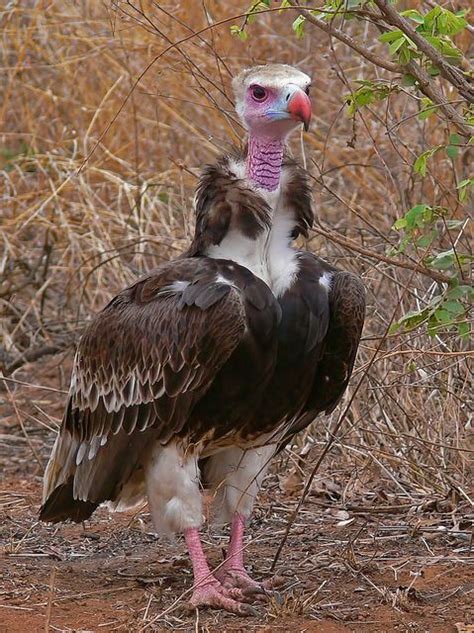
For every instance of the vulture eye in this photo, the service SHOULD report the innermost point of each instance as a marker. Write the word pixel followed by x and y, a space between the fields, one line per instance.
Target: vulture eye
pixel 307 90
pixel 259 93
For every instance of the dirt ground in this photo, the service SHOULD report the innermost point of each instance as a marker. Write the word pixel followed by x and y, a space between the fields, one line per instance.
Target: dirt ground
pixel 96 183
pixel 372 560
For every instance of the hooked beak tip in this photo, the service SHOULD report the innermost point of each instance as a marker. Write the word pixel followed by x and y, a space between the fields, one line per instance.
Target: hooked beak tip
pixel 299 108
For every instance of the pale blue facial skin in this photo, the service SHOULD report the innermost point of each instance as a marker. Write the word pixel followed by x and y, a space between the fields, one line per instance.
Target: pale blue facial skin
pixel 270 116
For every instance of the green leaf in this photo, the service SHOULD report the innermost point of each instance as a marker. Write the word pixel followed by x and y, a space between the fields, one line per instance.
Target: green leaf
pixel 405 55
pixel 464 188
pixel 369 92
pixel 433 71
pixel 252 13
pixel 390 36
pixel 443 22
pixel 454 293
pixel 452 149
pixel 409 80
pixel 443 316
pixel 444 311
pixel 416 215
pixel 428 108
pixel 459 291
pixel 238 32
pixel 420 164
pixel 298 26
pixel 444 46
pixel 454 224
pixel 352 4
pixel 394 327
pixel 413 15
pixel 427 239
pixel 255 8
pixel 464 329
pixel 443 260
pixel 400 224
pixel 468 291
pixel 396 44
pixel 454 307
pixel 432 328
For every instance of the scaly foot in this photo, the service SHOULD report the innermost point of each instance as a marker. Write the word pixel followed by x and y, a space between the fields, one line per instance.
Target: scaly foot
pixel 236 577
pixel 213 594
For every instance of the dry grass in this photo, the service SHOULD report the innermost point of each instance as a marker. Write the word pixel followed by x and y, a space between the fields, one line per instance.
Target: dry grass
pixel 97 186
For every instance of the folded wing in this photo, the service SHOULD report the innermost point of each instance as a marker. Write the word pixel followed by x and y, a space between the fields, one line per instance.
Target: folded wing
pixel 141 366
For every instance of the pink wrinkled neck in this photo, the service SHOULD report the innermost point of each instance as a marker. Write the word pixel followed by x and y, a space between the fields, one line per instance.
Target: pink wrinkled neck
pixel 265 156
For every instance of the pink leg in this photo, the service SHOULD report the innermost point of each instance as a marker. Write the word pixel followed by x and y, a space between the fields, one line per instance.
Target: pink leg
pixel 235 554
pixel 233 566
pixel 232 572
pixel 208 591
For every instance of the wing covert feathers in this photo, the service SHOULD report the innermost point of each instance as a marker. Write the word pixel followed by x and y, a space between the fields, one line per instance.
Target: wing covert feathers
pixel 202 339
pixel 150 348
pixel 334 369
pixel 140 367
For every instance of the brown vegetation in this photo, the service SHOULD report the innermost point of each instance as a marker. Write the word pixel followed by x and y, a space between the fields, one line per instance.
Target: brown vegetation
pixel 105 123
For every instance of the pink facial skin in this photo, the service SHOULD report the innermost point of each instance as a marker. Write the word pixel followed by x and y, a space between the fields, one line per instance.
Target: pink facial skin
pixel 270 115
pixel 276 112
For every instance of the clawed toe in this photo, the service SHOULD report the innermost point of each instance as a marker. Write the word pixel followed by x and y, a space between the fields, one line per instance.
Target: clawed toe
pixel 247 589
pixel 274 582
pixel 215 596
pixel 246 594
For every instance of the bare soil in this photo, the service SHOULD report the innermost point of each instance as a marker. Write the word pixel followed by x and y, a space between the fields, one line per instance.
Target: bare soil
pixel 361 556
pixel 99 184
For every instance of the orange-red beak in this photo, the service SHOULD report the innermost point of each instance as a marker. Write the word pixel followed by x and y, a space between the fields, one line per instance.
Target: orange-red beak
pixel 299 107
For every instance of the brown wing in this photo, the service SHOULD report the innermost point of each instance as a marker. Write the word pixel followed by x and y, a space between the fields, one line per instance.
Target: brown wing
pixel 347 312
pixel 334 369
pixel 340 345
pixel 297 196
pixel 302 330
pixel 142 364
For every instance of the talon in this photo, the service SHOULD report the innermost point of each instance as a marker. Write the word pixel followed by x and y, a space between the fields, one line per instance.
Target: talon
pixel 251 610
pixel 274 582
pixel 249 590
pixel 252 591
pixel 215 596
pixel 277 598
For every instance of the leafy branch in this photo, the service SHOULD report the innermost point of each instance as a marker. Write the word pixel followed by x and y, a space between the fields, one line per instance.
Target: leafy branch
pixel 409 43
pixel 434 45
pixel 423 54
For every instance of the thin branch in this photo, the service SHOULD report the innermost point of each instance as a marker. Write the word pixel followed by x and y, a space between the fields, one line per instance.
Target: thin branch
pixel 49 607
pixel 454 75
pixel 425 82
pixel 32 355
pixel 353 246
pixel 348 40
pixel 427 87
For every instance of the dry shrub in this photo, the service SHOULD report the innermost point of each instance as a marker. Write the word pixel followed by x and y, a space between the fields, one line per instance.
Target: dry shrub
pixel 99 160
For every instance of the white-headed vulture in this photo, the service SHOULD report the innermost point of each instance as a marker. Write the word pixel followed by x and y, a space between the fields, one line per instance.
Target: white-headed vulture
pixel 198 373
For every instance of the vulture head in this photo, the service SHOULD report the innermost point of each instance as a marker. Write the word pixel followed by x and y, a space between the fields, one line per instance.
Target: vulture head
pixel 272 100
